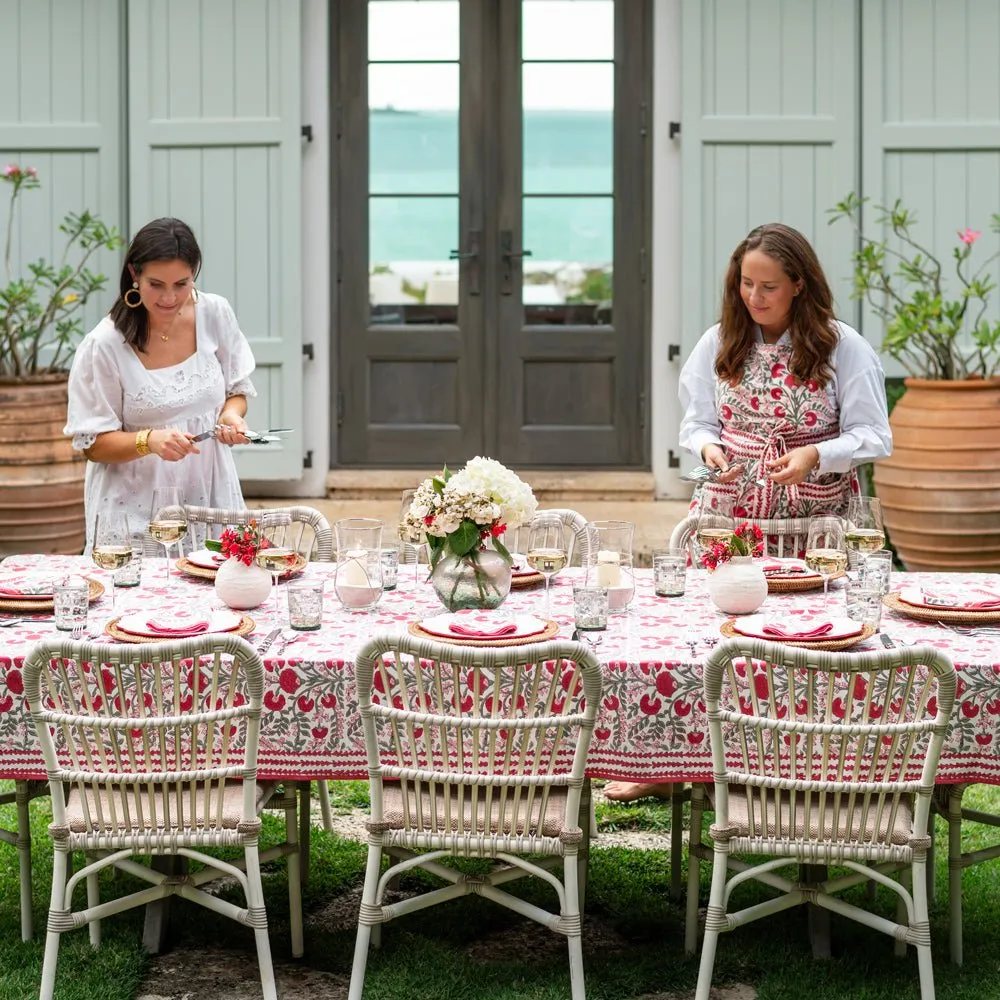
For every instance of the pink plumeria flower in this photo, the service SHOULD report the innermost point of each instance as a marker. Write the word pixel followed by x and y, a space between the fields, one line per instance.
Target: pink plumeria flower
pixel 32 172
pixel 12 170
pixel 969 236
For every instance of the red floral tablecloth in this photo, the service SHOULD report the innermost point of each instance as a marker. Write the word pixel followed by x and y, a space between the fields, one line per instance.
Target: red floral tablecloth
pixel 651 723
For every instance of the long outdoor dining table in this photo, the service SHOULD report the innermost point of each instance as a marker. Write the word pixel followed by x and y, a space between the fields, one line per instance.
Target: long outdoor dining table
pixel 651 724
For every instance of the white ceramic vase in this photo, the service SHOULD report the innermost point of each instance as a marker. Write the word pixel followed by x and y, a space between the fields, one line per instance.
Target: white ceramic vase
pixel 240 586
pixel 737 587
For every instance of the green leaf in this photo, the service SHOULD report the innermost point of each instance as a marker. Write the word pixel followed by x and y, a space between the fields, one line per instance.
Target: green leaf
pixel 503 550
pixel 464 539
pixel 213 545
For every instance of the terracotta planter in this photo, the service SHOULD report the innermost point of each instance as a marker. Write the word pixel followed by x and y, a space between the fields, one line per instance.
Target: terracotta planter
pixel 41 477
pixel 940 488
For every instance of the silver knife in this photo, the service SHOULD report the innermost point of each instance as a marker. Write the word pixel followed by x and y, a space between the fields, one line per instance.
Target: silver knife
pixel 886 641
pixel 266 643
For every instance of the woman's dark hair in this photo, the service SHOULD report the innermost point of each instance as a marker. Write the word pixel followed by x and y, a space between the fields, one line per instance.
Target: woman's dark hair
pixel 161 239
pixel 811 323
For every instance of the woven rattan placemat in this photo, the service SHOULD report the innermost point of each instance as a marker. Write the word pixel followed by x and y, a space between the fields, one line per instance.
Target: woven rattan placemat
pixel 728 629
pixel 245 627
pixel 96 588
pixel 193 569
pixel 551 629
pixel 525 580
pixel 896 603
pixel 789 584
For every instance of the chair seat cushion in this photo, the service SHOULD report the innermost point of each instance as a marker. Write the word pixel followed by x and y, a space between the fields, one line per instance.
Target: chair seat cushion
pixel 436 814
pixel 171 809
pixel 766 825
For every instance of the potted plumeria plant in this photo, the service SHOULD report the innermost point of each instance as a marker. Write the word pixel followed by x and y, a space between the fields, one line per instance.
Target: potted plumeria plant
pixel 40 323
pixel 463 517
pixel 737 585
pixel 938 486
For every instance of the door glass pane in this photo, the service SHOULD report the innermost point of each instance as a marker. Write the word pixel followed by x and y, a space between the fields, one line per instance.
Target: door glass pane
pixel 413 92
pixel 568 90
pixel 568 29
pixel 412 29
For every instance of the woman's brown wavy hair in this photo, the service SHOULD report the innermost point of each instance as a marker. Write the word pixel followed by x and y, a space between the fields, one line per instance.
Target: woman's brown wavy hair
pixel 811 324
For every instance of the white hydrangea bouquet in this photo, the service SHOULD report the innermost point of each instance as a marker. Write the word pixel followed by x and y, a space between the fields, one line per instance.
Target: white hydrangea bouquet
pixel 461 512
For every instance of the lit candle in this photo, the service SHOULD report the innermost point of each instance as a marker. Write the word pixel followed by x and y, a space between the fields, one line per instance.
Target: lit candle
pixel 609 572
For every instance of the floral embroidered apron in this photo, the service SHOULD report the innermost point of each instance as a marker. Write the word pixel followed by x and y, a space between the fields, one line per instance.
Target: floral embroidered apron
pixel 767 414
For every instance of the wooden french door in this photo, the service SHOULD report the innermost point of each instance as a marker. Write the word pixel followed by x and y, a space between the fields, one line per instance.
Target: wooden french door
pixel 492 168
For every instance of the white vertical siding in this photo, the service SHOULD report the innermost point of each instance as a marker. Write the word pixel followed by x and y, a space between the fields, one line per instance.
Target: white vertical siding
pixel 60 111
pixel 769 134
pixel 214 139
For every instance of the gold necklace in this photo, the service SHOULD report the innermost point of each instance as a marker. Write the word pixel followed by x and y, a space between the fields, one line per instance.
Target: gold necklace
pixel 166 336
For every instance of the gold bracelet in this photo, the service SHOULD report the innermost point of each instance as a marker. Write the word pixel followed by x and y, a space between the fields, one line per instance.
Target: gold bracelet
pixel 142 442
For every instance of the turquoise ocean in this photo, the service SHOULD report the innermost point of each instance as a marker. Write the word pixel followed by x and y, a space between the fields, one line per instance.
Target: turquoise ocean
pixel 564 153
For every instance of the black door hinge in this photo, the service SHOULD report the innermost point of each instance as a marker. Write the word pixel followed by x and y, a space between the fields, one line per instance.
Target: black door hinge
pixel 642 410
pixel 307 350
pixel 307 133
pixel 673 351
pixel 643 126
pixel 307 460
pixel 673 461
pixel 675 129
pixel 340 408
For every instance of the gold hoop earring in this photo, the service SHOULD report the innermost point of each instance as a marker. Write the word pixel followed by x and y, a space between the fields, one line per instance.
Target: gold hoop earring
pixel 194 293
pixel 133 303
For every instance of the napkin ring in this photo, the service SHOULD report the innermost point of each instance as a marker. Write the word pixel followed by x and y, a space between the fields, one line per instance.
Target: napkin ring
pixel 142 442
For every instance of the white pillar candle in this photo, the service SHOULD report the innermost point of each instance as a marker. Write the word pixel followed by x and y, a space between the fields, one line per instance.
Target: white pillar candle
pixel 609 572
pixel 352 571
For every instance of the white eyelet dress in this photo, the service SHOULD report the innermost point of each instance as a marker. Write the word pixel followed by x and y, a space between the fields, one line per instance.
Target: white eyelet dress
pixel 111 390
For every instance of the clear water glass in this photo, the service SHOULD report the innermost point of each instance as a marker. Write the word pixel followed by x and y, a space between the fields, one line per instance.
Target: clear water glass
pixel 863 603
pixel 875 570
pixel 305 605
pixel 70 599
pixel 590 608
pixel 669 572
pixel 130 575
pixel 390 568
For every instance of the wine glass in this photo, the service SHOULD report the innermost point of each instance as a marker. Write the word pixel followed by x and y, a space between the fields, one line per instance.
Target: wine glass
pixel 826 550
pixel 547 549
pixel 112 544
pixel 865 531
pixel 715 522
pixel 410 536
pixel 168 520
pixel 274 553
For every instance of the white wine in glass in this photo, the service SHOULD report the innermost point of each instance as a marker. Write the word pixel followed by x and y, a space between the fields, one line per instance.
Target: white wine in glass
pixel 168 521
pixel 112 544
pixel 276 560
pixel 826 551
pixel 865 531
pixel 547 549
pixel 715 522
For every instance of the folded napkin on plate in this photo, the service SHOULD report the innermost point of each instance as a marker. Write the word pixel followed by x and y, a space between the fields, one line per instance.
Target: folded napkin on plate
pixel 16 592
pixel 181 631
pixel 482 631
pixel 780 632
pixel 787 569
pixel 989 601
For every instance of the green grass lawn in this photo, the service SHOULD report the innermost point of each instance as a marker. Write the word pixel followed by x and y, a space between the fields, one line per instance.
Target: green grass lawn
pixel 633 933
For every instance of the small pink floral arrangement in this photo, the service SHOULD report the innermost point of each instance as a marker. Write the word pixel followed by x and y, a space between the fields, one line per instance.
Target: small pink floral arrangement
pixel 242 542
pixel 747 540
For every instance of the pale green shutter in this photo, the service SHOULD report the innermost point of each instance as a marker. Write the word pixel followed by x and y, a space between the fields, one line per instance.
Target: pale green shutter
pixel 931 123
pixel 769 134
pixel 214 139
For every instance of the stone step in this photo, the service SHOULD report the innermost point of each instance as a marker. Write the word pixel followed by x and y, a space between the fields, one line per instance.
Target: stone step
pixel 549 485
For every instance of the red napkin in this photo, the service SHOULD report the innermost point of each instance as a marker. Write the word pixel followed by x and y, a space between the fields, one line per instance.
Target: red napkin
pixel 817 632
pixel 16 593
pixel 195 628
pixel 482 631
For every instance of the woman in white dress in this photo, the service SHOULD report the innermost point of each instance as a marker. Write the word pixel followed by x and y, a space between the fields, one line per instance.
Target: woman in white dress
pixel 167 364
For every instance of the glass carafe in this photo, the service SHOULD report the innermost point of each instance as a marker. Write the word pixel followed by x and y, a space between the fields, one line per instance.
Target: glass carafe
pixel 609 561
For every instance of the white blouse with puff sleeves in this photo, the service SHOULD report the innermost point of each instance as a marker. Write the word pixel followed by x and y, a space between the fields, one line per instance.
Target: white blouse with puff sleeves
pixel 111 390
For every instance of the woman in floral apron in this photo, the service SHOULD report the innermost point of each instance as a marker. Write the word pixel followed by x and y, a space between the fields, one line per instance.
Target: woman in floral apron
pixel 779 396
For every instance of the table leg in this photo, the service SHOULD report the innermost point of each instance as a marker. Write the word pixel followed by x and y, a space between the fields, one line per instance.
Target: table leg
pixel 155 931
pixel 819 918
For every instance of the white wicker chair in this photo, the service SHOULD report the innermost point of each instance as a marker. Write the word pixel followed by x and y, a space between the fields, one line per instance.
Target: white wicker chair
pixel 576 524
pixel 489 747
pixel 24 792
pixel 151 741
pixel 814 755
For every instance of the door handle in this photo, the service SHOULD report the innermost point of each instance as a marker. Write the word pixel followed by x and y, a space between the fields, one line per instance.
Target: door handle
pixel 469 259
pixel 509 255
